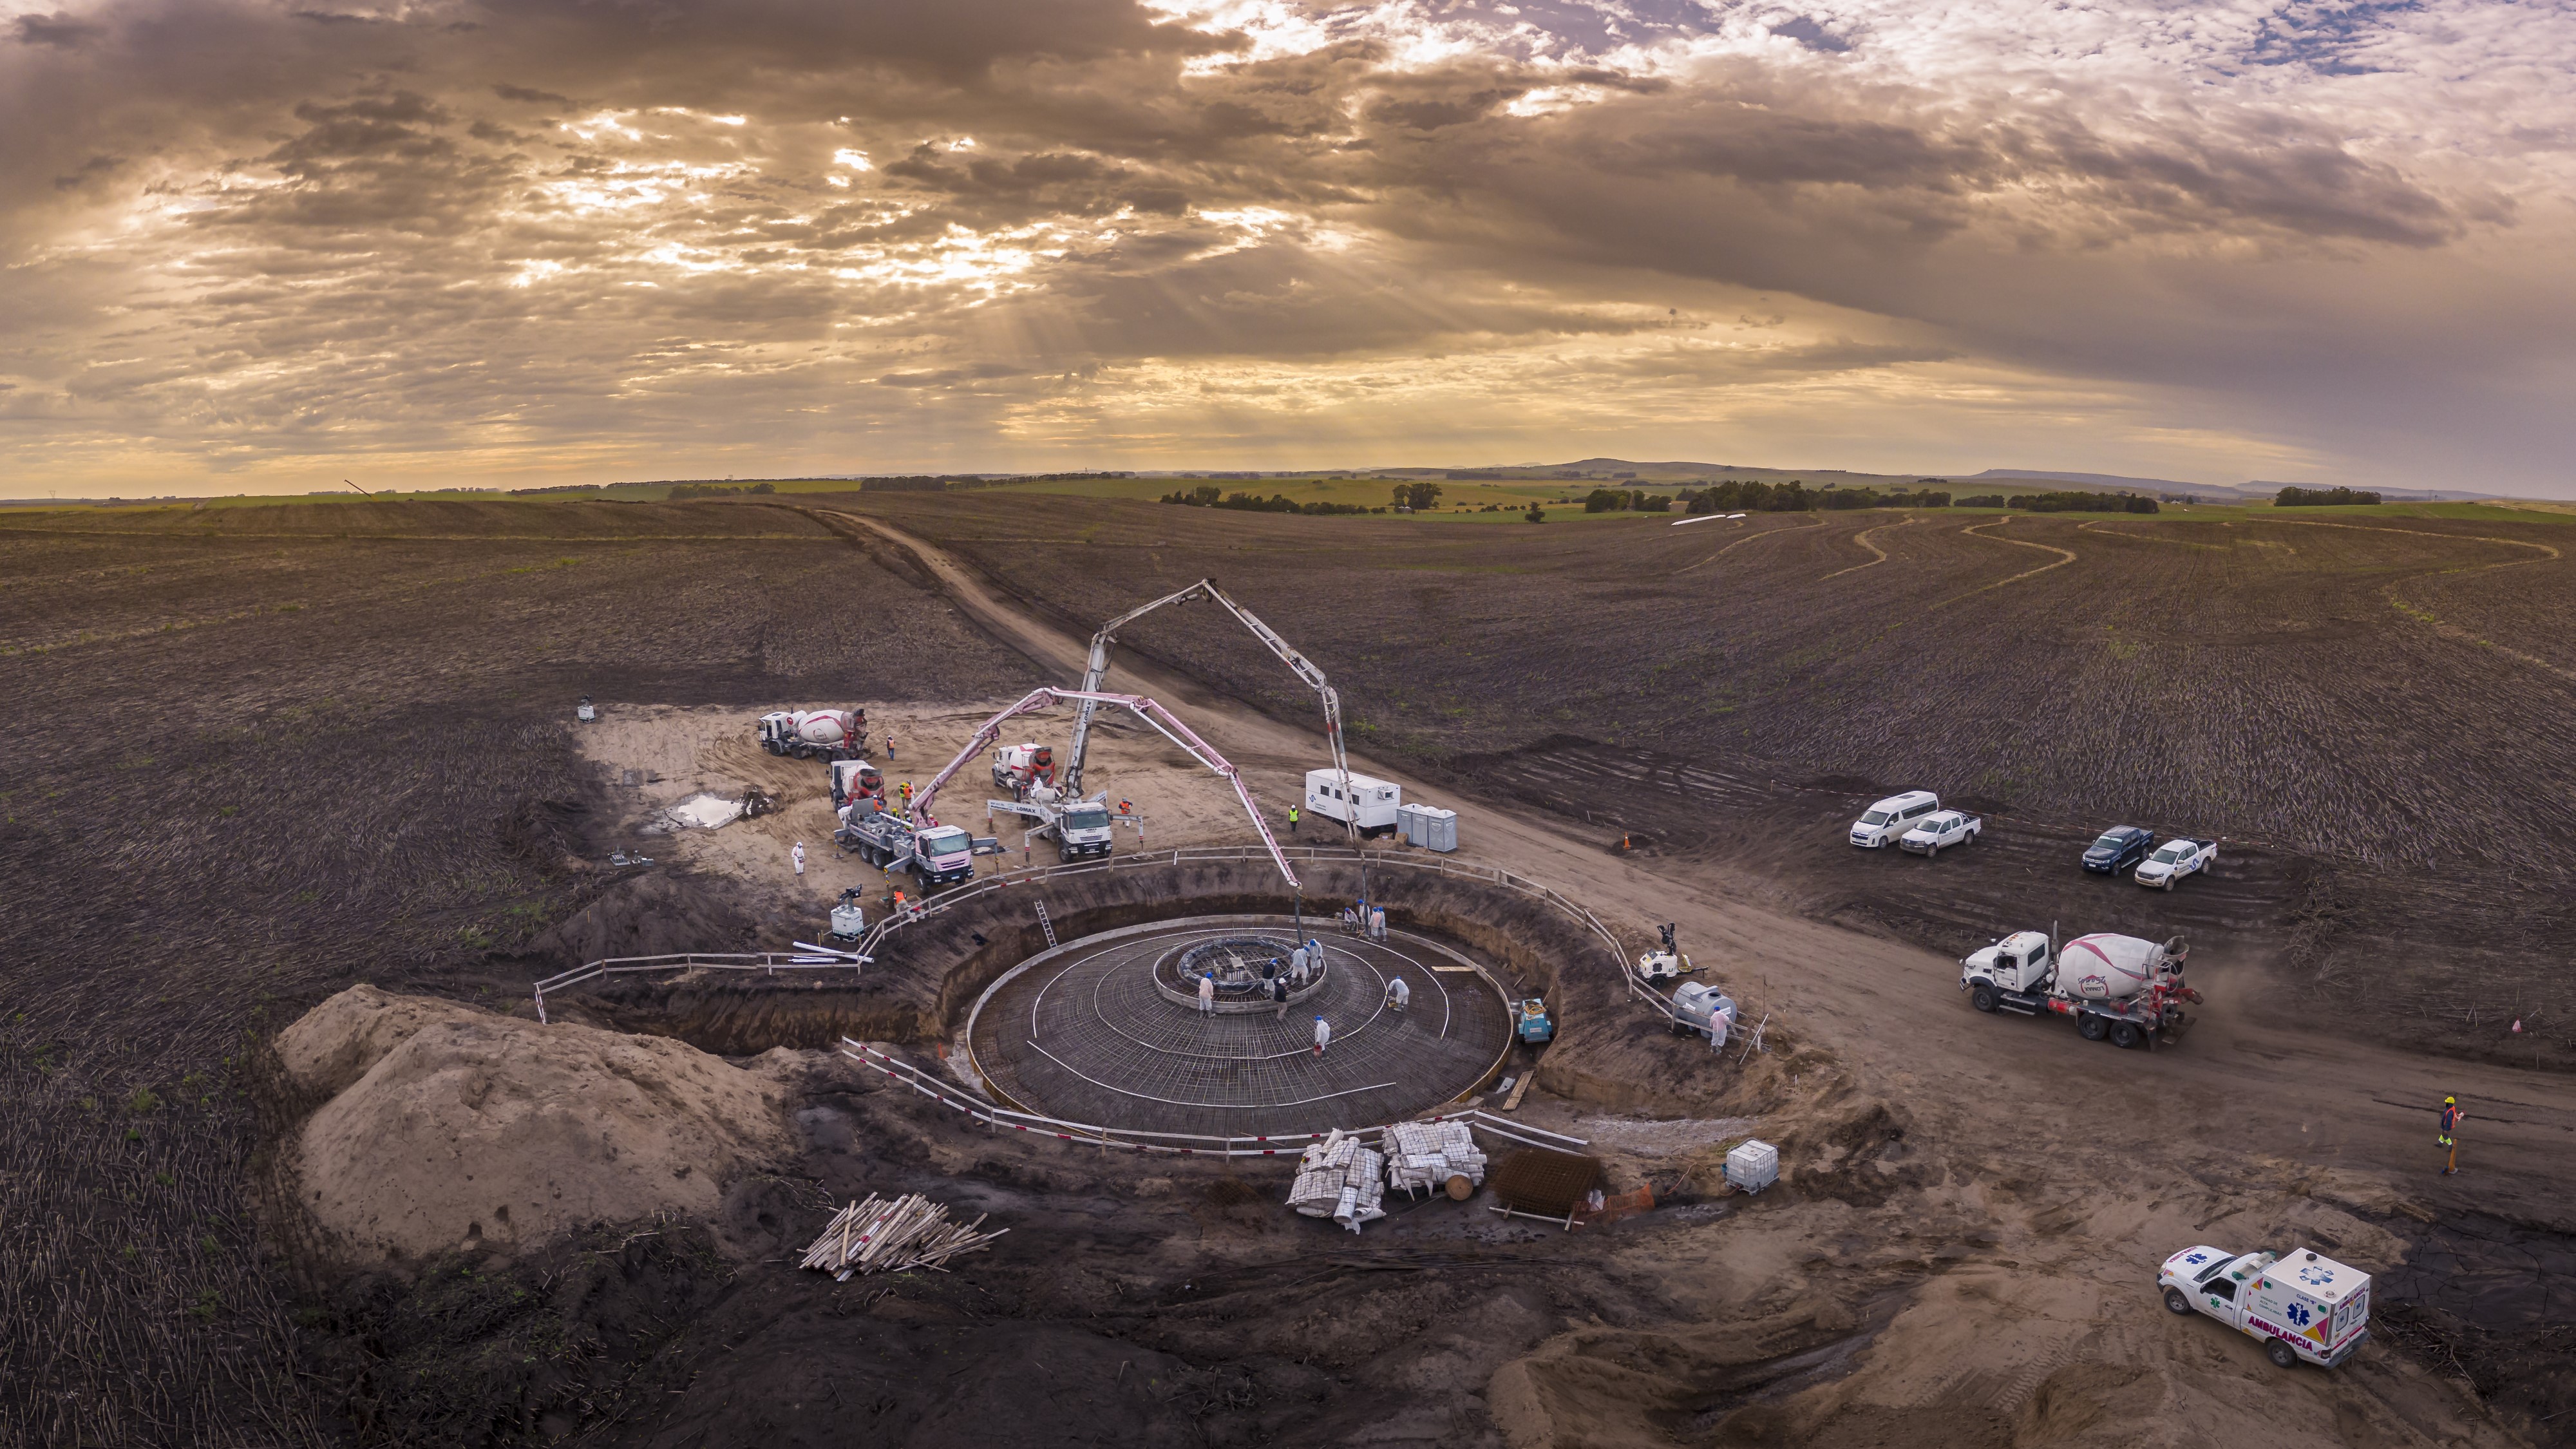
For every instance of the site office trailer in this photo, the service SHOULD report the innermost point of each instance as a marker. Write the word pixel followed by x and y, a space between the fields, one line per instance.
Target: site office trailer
pixel 1371 804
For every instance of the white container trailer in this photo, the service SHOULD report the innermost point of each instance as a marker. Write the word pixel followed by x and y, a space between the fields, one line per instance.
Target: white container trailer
pixel 1371 805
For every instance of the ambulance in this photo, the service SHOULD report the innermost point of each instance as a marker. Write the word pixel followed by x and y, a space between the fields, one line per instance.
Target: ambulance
pixel 2305 1307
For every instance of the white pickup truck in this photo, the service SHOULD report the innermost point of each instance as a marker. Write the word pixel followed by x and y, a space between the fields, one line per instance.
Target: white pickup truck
pixel 1940 830
pixel 2305 1307
pixel 2176 858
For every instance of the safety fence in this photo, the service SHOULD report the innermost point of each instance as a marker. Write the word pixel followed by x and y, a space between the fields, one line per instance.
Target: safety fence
pixel 914 912
pixel 765 962
pixel 1179 1144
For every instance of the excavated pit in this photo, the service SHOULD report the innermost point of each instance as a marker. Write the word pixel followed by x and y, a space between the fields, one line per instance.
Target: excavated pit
pixel 923 989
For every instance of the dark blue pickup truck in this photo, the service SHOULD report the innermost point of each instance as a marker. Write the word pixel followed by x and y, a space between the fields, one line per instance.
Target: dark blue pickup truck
pixel 2120 847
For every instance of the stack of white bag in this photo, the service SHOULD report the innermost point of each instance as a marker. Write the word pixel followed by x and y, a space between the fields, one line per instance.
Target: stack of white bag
pixel 1423 1155
pixel 1340 1179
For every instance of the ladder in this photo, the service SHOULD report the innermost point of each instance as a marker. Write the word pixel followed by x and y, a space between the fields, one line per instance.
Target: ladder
pixel 1046 925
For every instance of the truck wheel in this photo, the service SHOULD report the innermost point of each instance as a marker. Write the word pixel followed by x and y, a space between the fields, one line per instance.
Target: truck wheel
pixel 1982 998
pixel 2176 1303
pixel 2281 1354
pixel 2091 1027
pixel 2124 1034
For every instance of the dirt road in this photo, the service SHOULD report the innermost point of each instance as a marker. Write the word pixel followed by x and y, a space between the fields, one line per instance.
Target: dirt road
pixel 2090 1163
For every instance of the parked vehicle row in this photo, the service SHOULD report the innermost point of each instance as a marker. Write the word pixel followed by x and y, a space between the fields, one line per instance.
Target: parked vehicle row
pixel 1917 822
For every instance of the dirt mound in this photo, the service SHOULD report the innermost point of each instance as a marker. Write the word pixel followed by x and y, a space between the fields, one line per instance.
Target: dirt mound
pixel 326 1050
pixel 450 1126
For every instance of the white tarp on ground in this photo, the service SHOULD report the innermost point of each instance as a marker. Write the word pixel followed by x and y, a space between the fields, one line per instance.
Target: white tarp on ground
pixel 703 812
pixel 1423 1155
pixel 1338 1178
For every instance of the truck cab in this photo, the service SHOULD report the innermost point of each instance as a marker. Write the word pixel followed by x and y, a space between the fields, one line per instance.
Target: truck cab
pixel 2304 1307
pixel 1083 830
pixel 942 853
pixel 853 778
pixel 1890 818
pixel 2023 961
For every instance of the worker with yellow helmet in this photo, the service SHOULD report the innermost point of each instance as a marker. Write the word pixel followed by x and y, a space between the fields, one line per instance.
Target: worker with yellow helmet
pixel 2445 1139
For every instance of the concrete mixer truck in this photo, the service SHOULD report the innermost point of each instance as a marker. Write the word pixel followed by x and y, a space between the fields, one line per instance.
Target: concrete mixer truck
pixel 2119 989
pixel 830 734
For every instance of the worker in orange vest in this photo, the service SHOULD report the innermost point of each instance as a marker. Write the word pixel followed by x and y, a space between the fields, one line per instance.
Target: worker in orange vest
pixel 2446 1138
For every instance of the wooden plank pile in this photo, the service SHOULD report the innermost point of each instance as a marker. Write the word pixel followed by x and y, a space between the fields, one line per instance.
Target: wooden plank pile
pixel 882 1236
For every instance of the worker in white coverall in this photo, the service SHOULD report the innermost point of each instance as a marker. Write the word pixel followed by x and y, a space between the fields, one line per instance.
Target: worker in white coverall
pixel 1207 991
pixel 1719 1023
pixel 1323 1035
pixel 798 855
pixel 1398 994
pixel 1297 965
pixel 1377 923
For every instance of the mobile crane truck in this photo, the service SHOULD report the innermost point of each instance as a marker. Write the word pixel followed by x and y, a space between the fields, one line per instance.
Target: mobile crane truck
pixel 2118 988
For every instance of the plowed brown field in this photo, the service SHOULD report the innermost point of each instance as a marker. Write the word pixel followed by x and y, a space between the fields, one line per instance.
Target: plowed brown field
pixel 259 754
pixel 2395 791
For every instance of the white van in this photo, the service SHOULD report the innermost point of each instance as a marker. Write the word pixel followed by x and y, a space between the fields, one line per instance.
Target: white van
pixel 1892 817
pixel 1371 805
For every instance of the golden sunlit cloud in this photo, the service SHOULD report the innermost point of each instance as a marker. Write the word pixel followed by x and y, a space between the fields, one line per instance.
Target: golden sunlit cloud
pixel 458 242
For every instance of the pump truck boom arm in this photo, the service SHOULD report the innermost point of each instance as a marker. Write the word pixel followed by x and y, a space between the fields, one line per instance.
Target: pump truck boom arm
pixel 1096 673
pixel 1164 722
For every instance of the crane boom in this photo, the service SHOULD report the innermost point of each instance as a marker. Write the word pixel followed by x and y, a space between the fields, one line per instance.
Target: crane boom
pixel 1164 722
pixel 1096 673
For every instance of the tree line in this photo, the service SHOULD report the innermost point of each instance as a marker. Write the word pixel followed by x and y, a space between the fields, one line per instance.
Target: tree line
pixel 2323 498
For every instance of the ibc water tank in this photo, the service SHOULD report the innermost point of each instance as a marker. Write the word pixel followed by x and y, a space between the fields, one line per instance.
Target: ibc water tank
pixel 1753 1165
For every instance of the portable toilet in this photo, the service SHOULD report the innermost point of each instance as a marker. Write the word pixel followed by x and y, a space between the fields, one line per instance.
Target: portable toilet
pixel 1409 818
pixel 1439 828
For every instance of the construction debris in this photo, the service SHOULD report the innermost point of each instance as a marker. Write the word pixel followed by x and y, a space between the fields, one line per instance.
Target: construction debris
pixel 1338 1178
pixel 698 812
pixel 1544 1184
pixel 1426 1155
pixel 880 1236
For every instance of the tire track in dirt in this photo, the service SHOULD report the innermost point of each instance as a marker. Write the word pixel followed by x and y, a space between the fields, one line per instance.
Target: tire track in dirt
pixel 1741 542
pixel 2426 617
pixel 2095 526
pixel 2065 556
pixel 1862 538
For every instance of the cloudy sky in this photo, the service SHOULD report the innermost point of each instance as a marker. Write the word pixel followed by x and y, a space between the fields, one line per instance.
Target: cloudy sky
pixel 264 246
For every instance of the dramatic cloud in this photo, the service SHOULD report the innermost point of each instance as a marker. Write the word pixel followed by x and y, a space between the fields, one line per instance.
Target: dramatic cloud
pixel 264 246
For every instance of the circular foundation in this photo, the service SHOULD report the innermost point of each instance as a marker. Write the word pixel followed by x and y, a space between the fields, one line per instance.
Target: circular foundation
pixel 1090 1032
pixel 1242 968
